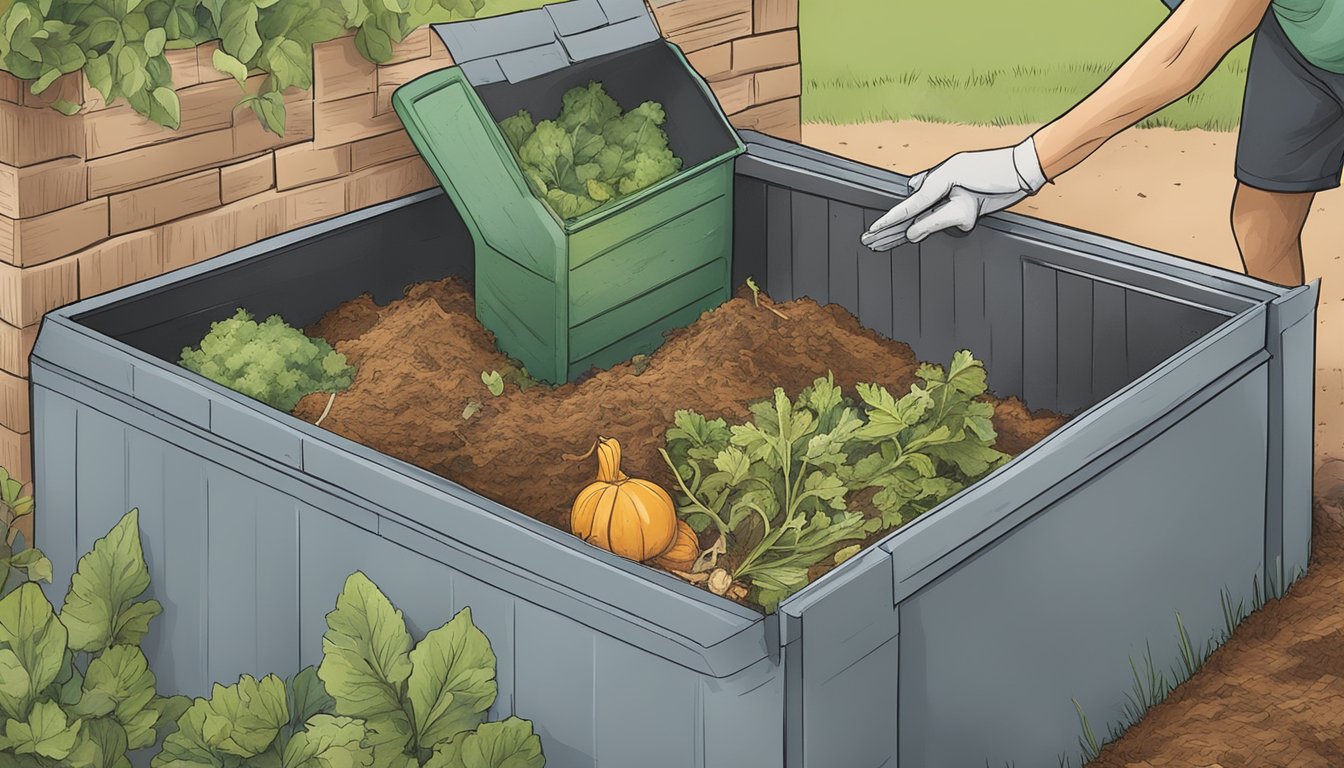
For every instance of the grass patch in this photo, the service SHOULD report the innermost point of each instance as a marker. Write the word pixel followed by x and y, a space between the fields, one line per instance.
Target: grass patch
pixel 876 60
pixel 1152 685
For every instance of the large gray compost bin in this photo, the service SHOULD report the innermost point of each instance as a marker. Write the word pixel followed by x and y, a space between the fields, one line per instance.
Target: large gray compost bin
pixel 961 638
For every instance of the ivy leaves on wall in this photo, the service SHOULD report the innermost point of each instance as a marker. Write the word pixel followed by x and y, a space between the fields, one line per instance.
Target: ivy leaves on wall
pixel 120 44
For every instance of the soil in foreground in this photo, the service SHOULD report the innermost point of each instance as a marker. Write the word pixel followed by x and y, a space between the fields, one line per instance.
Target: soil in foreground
pixel 418 394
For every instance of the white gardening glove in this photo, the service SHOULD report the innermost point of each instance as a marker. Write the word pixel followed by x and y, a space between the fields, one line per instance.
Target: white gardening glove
pixel 957 192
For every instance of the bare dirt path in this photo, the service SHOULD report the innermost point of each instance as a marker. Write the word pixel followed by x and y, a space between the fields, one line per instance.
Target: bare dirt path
pixel 1273 696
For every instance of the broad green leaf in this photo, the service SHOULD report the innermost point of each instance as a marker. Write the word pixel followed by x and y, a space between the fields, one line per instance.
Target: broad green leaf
pixel 131 63
pixel 31 635
pixel 34 563
pixel 366 663
pixel 237 721
pixel 306 697
pixel 45 81
pixel 45 733
pixel 238 29
pixel 134 26
pixel 328 742
pixel 373 43
pixel 99 611
pixel 966 374
pixel 452 681
pixel 734 463
pixel 506 744
pixel 165 109
pixel 289 62
pixel 120 683
pixel 98 72
pixel 65 107
pixel 15 684
pixel 270 110
pixel 169 710
pixel 101 744
pixel 155 40
pixel 230 66
pixel 971 458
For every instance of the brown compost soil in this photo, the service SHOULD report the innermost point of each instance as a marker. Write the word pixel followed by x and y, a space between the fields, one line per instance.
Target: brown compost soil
pixel 419 361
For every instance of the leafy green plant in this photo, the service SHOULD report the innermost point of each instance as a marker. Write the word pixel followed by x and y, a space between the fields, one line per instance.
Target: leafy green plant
pixel 120 44
pixel 425 703
pixel 377 699
pixel 19 560
pixel 75 688
pixel 779 489
pixel 269 361
pixel 593 153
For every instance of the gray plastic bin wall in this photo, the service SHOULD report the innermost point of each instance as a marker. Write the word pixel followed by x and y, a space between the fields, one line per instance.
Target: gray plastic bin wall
pixel 962 638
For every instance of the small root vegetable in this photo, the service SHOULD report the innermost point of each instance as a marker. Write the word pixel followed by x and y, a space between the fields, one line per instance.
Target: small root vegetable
pixel 720 581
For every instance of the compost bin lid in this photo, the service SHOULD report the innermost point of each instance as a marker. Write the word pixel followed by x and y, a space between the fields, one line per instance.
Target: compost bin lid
pixel 522 45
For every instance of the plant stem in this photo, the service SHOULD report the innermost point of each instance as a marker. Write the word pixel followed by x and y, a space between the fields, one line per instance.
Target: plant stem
pixel 713 516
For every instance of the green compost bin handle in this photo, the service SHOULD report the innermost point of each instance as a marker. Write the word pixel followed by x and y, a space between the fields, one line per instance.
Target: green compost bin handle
pixel 459 140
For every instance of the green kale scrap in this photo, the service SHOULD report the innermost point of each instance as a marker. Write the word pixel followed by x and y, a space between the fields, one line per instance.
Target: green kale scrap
pixel 592 153
pixel 780 489
pixel 269 361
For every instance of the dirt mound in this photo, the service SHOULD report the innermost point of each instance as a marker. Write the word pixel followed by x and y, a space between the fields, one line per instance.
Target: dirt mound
pixel 420 359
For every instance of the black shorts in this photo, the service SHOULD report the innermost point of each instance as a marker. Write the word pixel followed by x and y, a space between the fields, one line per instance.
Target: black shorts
pixel 1292 119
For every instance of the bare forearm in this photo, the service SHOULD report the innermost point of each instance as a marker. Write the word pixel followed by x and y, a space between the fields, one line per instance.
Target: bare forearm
pixel 1170 64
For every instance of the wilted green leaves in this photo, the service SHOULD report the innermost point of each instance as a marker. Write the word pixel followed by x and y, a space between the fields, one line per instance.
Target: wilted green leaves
pixel 592 153
pixel 779 488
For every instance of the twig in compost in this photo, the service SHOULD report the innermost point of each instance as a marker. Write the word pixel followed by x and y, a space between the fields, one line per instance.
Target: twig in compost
pixel 326 410
pixel 756 298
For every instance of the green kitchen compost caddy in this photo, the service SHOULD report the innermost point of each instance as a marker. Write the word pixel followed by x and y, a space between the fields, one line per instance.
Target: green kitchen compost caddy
pixel 565 296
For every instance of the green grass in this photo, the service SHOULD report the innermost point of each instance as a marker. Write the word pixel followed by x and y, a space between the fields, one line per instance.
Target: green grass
pixel 956 62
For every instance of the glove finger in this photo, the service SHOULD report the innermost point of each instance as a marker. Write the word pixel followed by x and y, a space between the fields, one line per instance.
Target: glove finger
pixel 932 190
pixel 889 239
pixel 960 212
pixel 872 236
pixel 917 181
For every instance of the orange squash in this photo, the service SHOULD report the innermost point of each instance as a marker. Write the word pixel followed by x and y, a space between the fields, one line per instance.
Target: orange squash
pixel 684 551
pixel 633 518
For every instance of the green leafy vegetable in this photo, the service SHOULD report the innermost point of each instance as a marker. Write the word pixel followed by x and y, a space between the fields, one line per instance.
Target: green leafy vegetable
pixel 270 361
pixel 779 489
pixel 100 610
pixel 366 662
pixel 592 153
pixel 452 682
pixel 507 744
pixel 75 689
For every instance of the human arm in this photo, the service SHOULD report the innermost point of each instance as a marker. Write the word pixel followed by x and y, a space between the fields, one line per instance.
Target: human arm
pixel 1173 61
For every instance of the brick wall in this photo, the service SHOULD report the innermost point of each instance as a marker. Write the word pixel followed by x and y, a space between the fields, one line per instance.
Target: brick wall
pixel 105 198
